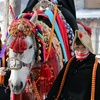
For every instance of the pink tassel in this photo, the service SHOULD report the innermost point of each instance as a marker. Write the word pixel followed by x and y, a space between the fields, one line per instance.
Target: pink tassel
pixel 45 73
pixel 24 44
pixel 12 12
pixel 12 43
pixel 18 45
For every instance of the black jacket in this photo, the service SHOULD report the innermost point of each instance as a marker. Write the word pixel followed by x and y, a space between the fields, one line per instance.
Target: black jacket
pixel 78 82
pixel 4 90
pixel 68 4
pixel 30 5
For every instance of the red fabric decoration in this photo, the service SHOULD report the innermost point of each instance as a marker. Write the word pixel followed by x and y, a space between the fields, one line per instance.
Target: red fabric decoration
pixel 16 96
pixel 80 35
pixel 49 72
pixel 53 61
pixel 37 25
pixel 88 29
pixel 18 45
pixel 64 35
pixel 45 72
pixel 27 15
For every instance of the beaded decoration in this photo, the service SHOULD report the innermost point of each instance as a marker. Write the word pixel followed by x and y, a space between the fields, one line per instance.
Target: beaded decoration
pixel 22 25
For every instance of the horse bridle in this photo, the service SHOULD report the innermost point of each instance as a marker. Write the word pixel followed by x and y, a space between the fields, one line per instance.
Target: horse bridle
pixel 13 61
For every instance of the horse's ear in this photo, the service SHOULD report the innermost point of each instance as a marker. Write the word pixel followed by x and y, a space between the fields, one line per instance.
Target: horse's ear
pixel 34 18
pixel 11 14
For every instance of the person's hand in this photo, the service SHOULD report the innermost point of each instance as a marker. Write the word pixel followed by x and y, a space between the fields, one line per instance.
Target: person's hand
pixel 2 73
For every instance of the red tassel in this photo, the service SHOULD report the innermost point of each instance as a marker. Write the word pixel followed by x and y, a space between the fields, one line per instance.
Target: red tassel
pixel 18 45
pixel 53 62
pixel 12 43
pixel 46 73
pixel 23 44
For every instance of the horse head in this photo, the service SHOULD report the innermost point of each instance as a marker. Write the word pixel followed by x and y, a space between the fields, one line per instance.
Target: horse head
pixel 28 52
pixel 22 51
pixel 33 44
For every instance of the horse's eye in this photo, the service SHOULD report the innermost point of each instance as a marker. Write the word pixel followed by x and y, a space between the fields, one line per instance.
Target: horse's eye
pixel 30 47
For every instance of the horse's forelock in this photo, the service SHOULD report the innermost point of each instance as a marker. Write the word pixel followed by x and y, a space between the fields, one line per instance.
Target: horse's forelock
pixel 21 28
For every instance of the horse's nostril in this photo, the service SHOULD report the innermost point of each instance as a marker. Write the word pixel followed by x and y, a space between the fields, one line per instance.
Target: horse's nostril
pixel 16 86
pixel 12 85
pixel 21 84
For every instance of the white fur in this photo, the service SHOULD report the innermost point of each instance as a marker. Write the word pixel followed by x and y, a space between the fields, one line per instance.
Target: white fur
pixel 18 76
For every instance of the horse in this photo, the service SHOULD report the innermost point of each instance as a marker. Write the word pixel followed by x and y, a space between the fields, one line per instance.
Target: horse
pixel 38 46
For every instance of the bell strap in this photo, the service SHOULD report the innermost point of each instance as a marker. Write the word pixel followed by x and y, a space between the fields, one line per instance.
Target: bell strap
pixel 64 78
pixel 36 90
pixel 94 79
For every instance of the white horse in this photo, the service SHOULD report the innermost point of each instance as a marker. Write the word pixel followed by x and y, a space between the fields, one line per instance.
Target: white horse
pixel 25 57
pixel 20 62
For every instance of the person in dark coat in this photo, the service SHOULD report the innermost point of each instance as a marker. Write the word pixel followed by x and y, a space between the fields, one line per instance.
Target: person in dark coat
pixel 4 88
pixel 4 76
pixel 79 79
pixel 67 8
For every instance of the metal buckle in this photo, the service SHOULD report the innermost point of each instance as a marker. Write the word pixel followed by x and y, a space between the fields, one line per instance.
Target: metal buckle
pixel 14 63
